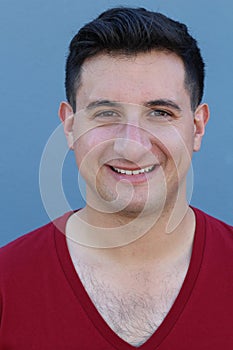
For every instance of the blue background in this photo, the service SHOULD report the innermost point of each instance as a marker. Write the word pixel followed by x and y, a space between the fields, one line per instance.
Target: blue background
pixel 34 38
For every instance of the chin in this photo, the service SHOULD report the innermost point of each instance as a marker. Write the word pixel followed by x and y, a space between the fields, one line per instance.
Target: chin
pixel 142 208
pixel 126 201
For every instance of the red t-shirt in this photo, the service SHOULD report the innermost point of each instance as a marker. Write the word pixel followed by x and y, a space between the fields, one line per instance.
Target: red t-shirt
pixel 44 306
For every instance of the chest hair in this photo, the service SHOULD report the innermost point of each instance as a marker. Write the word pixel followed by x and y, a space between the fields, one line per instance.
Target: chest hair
pixel 133 306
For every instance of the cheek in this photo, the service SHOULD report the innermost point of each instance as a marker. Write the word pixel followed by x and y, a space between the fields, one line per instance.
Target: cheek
pixel 188 139
pixel 175 144
pixel 96 135
pixel 89 146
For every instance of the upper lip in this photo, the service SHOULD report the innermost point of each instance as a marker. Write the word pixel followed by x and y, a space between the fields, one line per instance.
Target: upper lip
pixel 130 167
pixel 124 166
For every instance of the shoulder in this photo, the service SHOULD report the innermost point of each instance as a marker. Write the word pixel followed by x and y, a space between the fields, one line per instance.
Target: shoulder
pixel 25 249
pixel 32 249
pixel 218 237
pixel 211 223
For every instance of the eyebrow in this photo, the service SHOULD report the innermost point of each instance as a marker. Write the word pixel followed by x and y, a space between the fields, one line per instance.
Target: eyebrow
pixel 100 103
pixel 163 103
pixel 148 104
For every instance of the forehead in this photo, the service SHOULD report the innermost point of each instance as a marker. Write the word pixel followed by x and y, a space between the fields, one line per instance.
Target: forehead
pixel 132 79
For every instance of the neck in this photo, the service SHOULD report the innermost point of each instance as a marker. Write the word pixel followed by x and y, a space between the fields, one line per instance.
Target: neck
pixel 126 240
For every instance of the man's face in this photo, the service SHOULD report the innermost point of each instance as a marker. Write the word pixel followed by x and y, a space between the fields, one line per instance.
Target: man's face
pixel 134 131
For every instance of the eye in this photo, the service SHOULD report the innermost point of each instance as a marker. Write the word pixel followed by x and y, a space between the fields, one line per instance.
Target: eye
pixel 160 113
pixel 107 114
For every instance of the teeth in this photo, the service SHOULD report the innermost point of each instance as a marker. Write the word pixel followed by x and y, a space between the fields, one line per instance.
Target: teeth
pixel 134 172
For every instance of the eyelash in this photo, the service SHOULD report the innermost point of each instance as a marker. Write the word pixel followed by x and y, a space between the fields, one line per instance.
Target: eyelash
pixel 161 113
pixel 106 114
pixel 154 113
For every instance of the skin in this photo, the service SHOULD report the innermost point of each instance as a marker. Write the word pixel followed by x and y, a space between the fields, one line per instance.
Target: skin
pixel 147 121
pixel 132 132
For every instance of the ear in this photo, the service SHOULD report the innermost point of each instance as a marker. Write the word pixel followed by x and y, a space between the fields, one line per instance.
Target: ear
pixel 201 118
pixel 66 115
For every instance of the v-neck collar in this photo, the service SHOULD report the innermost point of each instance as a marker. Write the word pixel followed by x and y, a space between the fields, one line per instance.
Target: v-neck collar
pixel 176 310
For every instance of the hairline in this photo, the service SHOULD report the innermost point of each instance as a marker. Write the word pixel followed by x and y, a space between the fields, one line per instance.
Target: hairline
pixel 121 53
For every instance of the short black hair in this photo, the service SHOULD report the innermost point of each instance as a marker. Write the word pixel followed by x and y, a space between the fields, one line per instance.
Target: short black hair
pixel 129 31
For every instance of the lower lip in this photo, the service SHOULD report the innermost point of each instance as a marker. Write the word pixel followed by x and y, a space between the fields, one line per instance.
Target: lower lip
pixel 134 179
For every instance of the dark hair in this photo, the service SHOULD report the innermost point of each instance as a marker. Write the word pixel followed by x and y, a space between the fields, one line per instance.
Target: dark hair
pixel 128 31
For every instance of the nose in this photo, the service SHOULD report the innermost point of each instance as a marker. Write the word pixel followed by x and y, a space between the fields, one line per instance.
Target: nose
pixel 132 143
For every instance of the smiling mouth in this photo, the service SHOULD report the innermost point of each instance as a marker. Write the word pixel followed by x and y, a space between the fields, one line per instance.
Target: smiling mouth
pixel 133 172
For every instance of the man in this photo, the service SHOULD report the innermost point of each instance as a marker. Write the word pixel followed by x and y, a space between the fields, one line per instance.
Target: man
pixel 136 267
